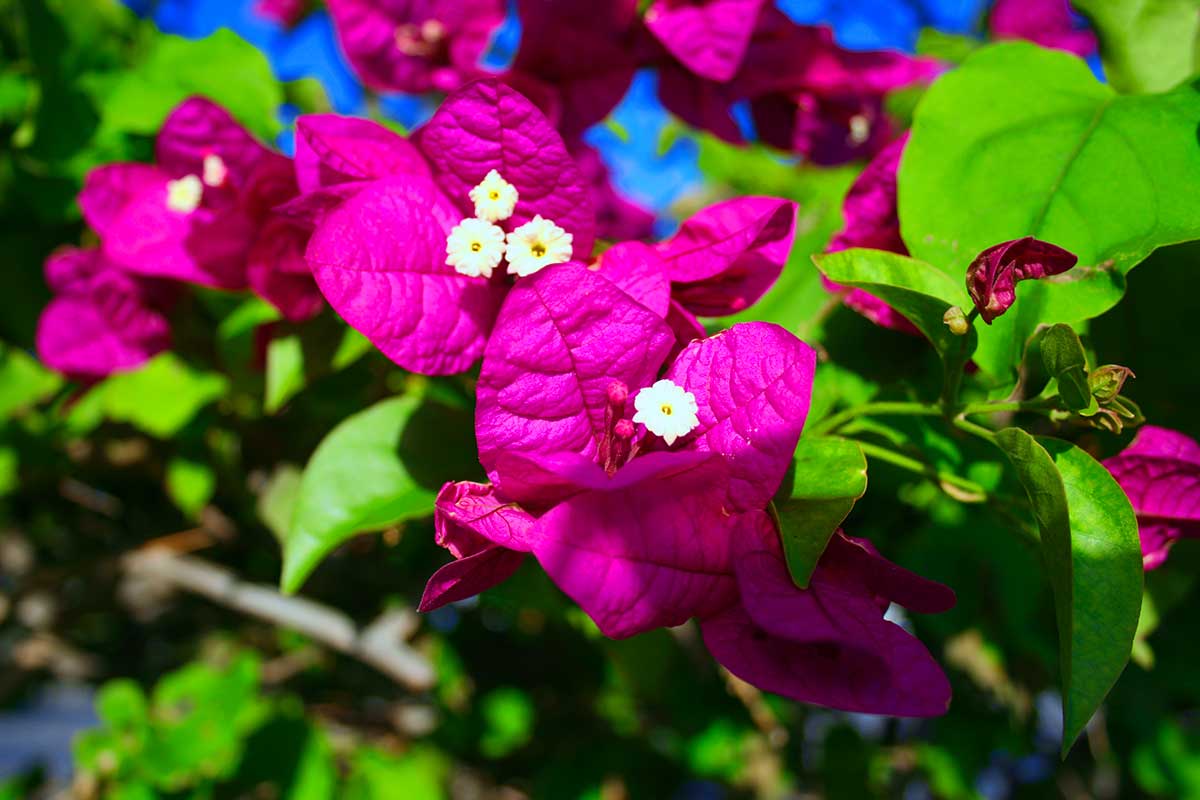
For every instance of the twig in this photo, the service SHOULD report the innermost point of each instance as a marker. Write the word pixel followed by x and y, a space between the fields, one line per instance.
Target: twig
pixel 381 644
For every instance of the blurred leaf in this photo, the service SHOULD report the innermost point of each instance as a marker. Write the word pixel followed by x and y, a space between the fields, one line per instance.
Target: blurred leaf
pixel 915 289
pixel 1146 45
pixel 376 775
pixel 1093 557
pixel 508 721
pixel 354 482
pixel 277 503
pixel 1032 145
pixel 23 381
pixel 222 67
pixel 190 484
pixel 160 397
pixel 251 313
pixel 952 48
pixel 830 476
pixel 285 371
pixel 1168 765
pixel 835 386
pixel 1065 360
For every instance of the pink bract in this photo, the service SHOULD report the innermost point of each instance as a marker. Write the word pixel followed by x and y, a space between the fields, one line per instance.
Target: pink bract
pixel 415 45
pixel 102 320
pixel 993 276
pixel 1160 472
pixel 1046 22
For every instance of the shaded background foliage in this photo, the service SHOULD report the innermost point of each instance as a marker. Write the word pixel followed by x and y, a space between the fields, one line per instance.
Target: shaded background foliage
pixel 206 444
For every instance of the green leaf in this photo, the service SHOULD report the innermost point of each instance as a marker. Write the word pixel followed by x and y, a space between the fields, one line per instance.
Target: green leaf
pixel 354 482
pixel 830 475
pixel 23 381
pixel 1146 45
pixel 1022 141
pixel 1093 557
pixel 1065 360
pixel 285 372
pixel 277 502
pixel 376 775
pixel 160 398
pixel 190 484
pixel 914 288
pixel 222 67
pixel 508 716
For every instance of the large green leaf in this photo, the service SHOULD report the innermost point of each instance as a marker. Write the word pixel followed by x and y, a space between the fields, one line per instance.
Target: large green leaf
pixel 914 288
pixel 223 67
pixel 1146 45
pixel 830 476
pixel 1093 557
pixel 354 482
pixel 1022 141
pixel 161 397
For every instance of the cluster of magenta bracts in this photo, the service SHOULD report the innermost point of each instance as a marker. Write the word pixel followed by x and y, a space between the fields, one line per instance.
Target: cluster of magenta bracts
pixel 632 455
pixel 205 213
pixel 645 526
pixel 576 60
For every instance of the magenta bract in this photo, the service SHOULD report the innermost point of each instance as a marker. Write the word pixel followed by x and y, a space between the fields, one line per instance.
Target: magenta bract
pixel 1160 472
pixel 380 260
pixel 709 37
pixel 1046 22
pixel 415 45
pixel 726 256
pixel 871 219
pixel 993 276
pixel 830 644
pixel 489 126
pixel 102 320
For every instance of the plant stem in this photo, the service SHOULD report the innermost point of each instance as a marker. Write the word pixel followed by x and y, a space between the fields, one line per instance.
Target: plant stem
pixel 834 422
pixel 1046 404
pixel 962 423
pixel 921 468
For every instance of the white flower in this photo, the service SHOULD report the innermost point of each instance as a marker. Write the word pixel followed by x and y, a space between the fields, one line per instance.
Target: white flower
pixel 537 244
pixel 474 248
pixel 667 410
pixel 494 198
pixel 184 194
pixel 215 171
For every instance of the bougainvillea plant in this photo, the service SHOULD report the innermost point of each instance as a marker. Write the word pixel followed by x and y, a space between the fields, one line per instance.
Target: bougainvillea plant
pixel 842 425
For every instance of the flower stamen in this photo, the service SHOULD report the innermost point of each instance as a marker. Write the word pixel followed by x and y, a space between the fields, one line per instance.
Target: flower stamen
pixel 184 194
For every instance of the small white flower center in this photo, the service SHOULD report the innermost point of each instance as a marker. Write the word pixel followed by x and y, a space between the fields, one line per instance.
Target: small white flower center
pixel 184 195
pixel 535 245
pixel 667 410
pixel 474 248
pixel 215 171
pixel 494 198
pixel 420 41
pixel 860 129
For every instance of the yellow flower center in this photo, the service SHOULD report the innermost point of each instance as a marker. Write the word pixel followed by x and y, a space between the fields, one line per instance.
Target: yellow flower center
pixel 538 249
pixel 666 409
pixel 476 247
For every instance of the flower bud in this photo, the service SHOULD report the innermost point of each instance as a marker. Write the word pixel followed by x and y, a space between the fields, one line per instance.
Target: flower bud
pixel 618 393
pixel 993 276
pixel 1106 382
pixel 623 429
pixel 956 321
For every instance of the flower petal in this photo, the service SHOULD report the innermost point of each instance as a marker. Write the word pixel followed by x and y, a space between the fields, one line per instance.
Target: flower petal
pixel 379 259
pixel 198 128
pixel 828 644
pixel 487 126
pixel 726 256
pixel 709 37
pixel 644 554
pixel 332 149
pixel 639 271
pixel 562 337
pixel 753 384
pixel 469 517
pixel 469 576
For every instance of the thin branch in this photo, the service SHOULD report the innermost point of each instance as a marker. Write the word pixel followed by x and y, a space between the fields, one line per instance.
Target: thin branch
pixel 381 644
